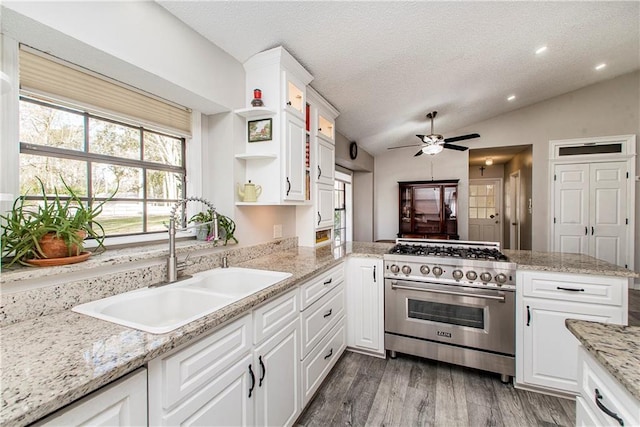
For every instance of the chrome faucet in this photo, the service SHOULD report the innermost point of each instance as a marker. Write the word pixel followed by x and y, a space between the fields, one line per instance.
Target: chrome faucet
pixel 173 266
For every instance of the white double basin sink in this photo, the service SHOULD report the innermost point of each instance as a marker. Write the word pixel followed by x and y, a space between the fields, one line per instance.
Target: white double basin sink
pixel 162 309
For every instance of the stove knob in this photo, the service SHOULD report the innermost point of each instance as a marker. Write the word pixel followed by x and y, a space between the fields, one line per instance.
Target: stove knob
pixel 457 274
pixel 406 269
pixel 437 271
pixel 424 269
pixel 472 275
pixel 501 278
pixel 485 277
pixel 394 269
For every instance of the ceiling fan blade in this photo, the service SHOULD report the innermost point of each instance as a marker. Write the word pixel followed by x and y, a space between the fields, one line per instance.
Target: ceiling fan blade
pixel 455 147
pixel 462 137
pixel 419 153
pixel 404 146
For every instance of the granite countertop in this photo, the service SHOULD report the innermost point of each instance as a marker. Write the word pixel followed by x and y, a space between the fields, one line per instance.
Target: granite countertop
pixel 615 347
pixel 565 263
pixel 50 361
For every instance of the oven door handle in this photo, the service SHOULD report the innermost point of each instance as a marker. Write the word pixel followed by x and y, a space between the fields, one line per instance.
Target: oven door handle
pixel 442 291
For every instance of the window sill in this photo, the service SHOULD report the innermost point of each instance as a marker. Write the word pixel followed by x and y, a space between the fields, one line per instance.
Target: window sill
pixel 131 253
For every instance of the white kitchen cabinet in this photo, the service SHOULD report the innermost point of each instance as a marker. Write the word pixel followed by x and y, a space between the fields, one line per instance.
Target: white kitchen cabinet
pixel 314 225
pixel 203 380
pixel 599 392
pixel 325 155
pixel 323 328
pixel 277 390
pixel 365 305
pixel 545 350
pixel 294 159
pixel 277 164
pixel 121 403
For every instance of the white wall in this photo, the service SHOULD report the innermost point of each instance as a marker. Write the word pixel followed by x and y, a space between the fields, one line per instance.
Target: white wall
pixel 401 165
pixel 137 42
pixel 607 108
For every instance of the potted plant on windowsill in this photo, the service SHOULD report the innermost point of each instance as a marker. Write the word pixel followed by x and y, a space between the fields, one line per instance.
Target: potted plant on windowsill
pixel 226 226
pixel 51 232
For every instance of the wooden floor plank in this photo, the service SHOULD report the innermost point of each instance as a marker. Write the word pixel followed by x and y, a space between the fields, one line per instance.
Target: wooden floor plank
pixel 451 399
pixel 420 400
pixel 514 412
pixel 388 404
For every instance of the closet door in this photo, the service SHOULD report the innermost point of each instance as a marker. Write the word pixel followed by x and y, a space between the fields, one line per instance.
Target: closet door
pixel 608 212
pixel 571 208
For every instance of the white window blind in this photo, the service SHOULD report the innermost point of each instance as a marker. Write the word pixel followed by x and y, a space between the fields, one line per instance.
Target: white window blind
pixel 43 75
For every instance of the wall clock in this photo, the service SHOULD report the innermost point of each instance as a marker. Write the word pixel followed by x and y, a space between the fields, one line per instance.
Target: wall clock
pixel 353 150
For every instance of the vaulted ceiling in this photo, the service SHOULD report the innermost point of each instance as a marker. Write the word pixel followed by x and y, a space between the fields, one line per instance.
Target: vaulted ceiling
pixel 384 65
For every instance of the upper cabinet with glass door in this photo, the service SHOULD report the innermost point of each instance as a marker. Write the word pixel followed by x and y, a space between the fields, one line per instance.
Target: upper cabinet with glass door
pixel 294 95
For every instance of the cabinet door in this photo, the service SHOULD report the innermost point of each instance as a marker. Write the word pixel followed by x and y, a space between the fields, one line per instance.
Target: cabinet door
pixel 294 162
pixel 224 401
pixel 278 383
pixel 550 351
pixel 294 95
pixel 122 403
pixel 324 203
pixel 365 305
pixel 326 126
pixel 326 163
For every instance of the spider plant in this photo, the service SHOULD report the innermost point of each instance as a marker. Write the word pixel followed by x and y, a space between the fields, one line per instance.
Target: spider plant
pixel 226 225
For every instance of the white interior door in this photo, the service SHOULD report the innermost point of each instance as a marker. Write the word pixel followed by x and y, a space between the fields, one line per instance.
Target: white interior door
pixel 590 210
pixel 571 209
pixel 607 213
pixel 485 210
pixel 514 194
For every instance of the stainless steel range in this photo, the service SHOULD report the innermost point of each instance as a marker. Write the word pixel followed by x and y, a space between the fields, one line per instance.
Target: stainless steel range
pixel 452 301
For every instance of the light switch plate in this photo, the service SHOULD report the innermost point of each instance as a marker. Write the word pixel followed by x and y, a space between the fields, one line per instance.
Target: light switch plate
pixel 277 231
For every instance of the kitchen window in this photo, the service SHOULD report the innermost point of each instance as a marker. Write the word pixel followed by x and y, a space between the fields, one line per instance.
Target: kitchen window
pixel 342 224
pixel 95 155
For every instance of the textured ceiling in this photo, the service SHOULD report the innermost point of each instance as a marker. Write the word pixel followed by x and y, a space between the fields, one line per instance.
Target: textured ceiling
pixel 384 65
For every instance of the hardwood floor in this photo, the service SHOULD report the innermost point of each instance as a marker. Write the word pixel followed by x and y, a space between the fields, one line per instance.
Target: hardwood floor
pixel 410 391
pixel 634 307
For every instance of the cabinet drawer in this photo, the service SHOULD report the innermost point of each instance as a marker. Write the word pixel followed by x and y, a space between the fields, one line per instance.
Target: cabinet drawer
pixel 315 288
pixel 273 316
pixel 182 373
pixel 613 396
pixel 317 365
pixel 575 288
pixel 319 318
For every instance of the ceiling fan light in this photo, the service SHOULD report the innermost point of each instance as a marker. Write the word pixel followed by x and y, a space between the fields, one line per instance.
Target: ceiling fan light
pixel 432 149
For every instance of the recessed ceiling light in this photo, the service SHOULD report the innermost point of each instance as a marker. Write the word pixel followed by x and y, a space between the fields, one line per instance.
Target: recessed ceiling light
pixel 601 66
pixel 541 50
pixel 488 161
pixel 511 98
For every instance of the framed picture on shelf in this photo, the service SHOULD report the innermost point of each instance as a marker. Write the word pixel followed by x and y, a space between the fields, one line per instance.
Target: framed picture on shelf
pixel 259 130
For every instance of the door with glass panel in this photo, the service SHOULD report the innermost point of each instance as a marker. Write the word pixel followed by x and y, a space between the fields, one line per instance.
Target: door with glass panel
pixel 485 210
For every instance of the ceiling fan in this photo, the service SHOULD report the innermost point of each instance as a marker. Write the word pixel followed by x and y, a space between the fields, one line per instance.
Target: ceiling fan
pixel 434 143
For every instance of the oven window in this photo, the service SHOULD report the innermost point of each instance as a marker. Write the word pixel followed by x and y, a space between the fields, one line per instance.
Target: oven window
pixel 452 314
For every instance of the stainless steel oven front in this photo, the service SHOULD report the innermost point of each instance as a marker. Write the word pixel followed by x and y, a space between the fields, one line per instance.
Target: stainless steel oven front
pixel 466 325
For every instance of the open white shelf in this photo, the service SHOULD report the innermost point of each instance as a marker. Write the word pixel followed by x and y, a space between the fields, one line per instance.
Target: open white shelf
pixel 256 156
pixel 255 112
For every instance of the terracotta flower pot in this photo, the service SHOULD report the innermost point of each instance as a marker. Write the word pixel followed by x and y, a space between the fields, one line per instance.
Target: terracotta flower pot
pixel 54 247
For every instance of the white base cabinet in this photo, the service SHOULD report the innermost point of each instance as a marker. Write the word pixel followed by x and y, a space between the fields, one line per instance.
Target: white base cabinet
pixel 545 349
pixel 602 401
pixel 247 373
pixel 365 305
pixel 121 403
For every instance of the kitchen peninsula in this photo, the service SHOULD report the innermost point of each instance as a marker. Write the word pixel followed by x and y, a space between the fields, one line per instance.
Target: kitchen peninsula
pixel 68 355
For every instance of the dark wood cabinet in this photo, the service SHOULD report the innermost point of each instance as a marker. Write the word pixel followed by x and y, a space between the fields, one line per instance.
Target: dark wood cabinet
pixel 428 209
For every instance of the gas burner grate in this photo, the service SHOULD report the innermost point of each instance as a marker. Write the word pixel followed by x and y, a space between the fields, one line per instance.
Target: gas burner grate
pixel 489 254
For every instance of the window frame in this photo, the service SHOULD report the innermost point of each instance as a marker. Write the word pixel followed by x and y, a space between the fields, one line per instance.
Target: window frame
pixel 86 156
